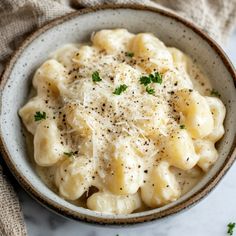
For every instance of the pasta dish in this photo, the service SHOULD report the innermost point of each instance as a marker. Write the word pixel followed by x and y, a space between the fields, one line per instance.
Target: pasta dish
pixel 123 124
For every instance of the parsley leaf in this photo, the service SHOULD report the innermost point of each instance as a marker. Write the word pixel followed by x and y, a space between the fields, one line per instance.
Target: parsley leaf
pixel 96 77
pixel 69 154
pixel 215 93
pixel 129 54
pixel 231 228
pixel 157 78
pixel 145 80
pixel 120 89
pixel 150 90
pixel 39 116
pixel 152 78
pixel 182 126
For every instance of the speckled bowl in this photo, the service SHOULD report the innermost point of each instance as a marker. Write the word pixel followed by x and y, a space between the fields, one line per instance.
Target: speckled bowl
pixel 77 27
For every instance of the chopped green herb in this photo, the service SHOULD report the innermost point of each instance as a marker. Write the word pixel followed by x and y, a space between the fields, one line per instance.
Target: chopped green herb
pixel 96 77
pixel 39 116
pixel 145 80
pixel 231 228
pixel 215 93
pixel 157 78
pixel 120 89
pixel 129 54
pixel 69 154
pixel 150 90
pixel 182 126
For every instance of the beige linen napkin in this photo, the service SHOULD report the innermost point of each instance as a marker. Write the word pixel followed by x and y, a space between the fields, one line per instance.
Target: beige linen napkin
pixel 11 220
pixel 18 18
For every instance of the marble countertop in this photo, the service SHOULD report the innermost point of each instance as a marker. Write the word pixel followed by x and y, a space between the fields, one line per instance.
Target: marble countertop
pixel 208 218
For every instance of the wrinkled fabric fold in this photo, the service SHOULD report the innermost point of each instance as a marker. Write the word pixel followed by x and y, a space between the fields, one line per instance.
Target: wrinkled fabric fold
pixel 19 18
pixel 11 218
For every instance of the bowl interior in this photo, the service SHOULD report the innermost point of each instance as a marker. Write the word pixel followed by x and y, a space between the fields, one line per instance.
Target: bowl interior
pixel 78 28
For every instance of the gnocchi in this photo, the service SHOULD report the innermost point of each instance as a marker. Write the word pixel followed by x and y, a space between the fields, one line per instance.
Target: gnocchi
pixel 28 112
pixel 114 204
pixel 124 170
pixel 48 77
pixel 161 187
pixel 206 152
pixel 74 177
pixel 47 147
pixel 196 112
pixel 179 150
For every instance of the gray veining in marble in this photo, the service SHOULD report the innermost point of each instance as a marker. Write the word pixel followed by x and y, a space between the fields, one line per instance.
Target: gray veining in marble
pixel 208 218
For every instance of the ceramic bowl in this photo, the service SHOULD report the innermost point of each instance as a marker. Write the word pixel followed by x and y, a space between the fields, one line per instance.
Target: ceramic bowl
pixel 77 27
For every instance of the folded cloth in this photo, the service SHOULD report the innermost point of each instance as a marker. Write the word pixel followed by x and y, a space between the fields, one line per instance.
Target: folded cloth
pixel 21 17
pixel 11 220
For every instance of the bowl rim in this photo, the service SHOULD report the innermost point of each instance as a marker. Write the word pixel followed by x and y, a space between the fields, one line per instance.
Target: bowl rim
pixel 58 208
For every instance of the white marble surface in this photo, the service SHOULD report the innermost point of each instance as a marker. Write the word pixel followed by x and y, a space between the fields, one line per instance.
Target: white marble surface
pixel 208 218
